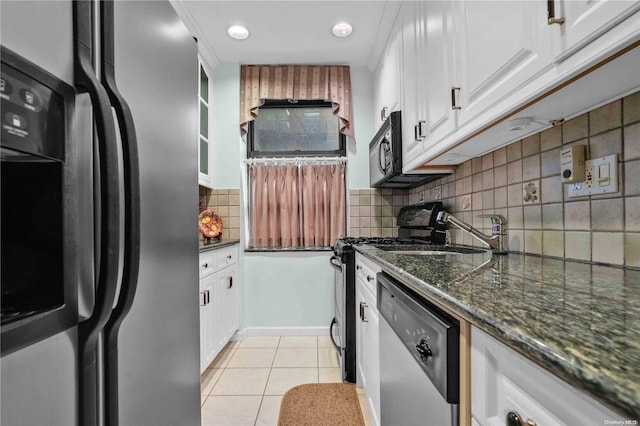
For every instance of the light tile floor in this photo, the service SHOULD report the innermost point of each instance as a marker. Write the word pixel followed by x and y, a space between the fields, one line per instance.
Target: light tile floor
pixel 244 385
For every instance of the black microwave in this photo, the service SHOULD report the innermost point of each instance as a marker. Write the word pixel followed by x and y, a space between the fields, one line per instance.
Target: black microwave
pixel 385 158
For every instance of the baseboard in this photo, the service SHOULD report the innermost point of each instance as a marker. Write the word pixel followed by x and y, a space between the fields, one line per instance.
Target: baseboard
pixel 280 331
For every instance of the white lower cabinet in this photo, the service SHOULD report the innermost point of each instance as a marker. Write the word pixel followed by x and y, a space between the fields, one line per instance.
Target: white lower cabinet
pixel 503 382
pixel 367 339
pixel 219 301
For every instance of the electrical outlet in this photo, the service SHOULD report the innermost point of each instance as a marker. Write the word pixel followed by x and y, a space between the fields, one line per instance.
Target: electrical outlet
pixel 601 177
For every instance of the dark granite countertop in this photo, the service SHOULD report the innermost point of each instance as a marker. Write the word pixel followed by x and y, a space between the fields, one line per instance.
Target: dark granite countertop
pixel 216 245
pixel 580 321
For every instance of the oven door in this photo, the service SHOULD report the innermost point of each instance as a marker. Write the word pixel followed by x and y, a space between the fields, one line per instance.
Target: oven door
pixel 337 327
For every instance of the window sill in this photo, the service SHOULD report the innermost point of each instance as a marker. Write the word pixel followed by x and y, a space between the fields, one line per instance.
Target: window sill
pixel 286 250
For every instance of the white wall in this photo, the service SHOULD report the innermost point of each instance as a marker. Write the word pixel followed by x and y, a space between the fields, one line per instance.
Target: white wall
pixel 284 289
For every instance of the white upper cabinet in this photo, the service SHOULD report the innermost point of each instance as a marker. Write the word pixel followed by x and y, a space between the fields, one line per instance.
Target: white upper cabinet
pixel 587 20
pixel 438 69
pixel 205 154
pixel 459 69
pixel 387 80
pixel 500 45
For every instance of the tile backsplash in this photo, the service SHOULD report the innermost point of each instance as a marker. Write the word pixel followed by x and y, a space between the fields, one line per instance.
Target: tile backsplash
pixel 602 228
pixel 373 212
pixel 225 202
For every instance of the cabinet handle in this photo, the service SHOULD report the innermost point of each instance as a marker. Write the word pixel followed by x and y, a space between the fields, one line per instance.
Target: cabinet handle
pixel 208 297
pixel 421 134
pixel 514 419
pixel 551 14
pixel 370 278
pixel 362 307
pixel 454 89
pixel 230 282
pixel 384 113
pixel 204 298
pixel 416 136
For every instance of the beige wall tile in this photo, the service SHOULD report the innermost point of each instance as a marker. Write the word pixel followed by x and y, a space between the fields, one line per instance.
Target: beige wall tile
pixel 577 216
pixel 487 179
pixel 533 217
pixel 516 240
pixel 607 215
pixel 514 195
pixel 530 168
pixel 488 201
pixel 577 245
pixel 514 151
pixel 632 142
pixel 533 242
pixel 607 247
pixel 500 197
pixel 551 189
pixel 575 129
pixel 551 138
pixel 476 165
pixel 531 145
pixel 515 218
pixel 487 161
pixel 550 163
pixel 514 171
pixel 552 216
pixel 632 177
pixel 632 214
pixel 500 175
pixel 500 157
pixel 631 108
pixel 606 144
pixel 553 243
pixel 632 249
pixel 605 118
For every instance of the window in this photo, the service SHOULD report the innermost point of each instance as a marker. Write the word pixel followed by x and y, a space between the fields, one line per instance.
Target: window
pixel 301 128
pixel 296 176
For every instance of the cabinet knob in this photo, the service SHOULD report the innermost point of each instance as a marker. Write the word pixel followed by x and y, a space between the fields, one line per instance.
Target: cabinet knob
pixel 358 267
pixel 229 257
pixel 205 265
pixel 514 419
pixel 370 278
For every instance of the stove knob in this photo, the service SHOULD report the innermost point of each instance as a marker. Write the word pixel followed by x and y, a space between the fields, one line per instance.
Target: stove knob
pixel 514 419
pixel 424 350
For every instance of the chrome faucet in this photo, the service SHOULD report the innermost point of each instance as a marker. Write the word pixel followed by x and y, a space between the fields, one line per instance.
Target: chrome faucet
pixel 497 241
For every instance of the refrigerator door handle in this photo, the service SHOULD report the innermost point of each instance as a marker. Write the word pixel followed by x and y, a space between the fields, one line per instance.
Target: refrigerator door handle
pixel 131 178
pixel 105 292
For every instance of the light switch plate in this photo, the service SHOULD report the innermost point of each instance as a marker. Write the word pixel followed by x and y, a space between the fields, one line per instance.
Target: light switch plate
pixel 601 177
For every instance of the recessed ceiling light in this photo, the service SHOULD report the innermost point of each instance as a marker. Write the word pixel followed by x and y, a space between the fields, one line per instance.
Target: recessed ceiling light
pixel 519 123
pixel 342 30
pixel 238 32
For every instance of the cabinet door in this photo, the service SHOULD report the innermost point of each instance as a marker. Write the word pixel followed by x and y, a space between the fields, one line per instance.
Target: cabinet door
pixel 387 79
pixel 372 354
pixel 437 63
pixel 585 21
pixel 500 45
pixel 411 94
pixel 204 146
pixel 361 338
pixel 503 381
pixel 208 348
pixel 226 305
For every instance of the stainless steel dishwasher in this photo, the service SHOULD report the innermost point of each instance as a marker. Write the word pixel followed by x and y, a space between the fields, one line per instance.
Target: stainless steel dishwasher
pixel 419 359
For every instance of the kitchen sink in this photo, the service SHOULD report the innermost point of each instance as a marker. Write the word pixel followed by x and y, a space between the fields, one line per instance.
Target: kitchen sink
pixel 422 250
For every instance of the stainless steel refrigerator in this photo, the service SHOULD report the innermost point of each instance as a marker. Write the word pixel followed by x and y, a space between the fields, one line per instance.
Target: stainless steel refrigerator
pixel 138 363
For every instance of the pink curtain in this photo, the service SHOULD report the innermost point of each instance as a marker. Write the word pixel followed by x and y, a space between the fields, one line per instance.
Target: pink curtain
pixel 302 82
pixel 296 205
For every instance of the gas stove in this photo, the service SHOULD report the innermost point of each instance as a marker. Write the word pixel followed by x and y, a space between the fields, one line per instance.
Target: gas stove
pixel 347 243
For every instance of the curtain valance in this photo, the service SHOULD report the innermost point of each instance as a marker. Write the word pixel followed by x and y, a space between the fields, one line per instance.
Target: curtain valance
pixel 331 83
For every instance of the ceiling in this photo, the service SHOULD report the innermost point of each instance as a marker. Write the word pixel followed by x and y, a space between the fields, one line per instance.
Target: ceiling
pixel 290 32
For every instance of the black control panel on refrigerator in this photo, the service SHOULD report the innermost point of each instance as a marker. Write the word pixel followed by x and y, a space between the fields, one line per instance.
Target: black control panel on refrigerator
pixel 39 294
